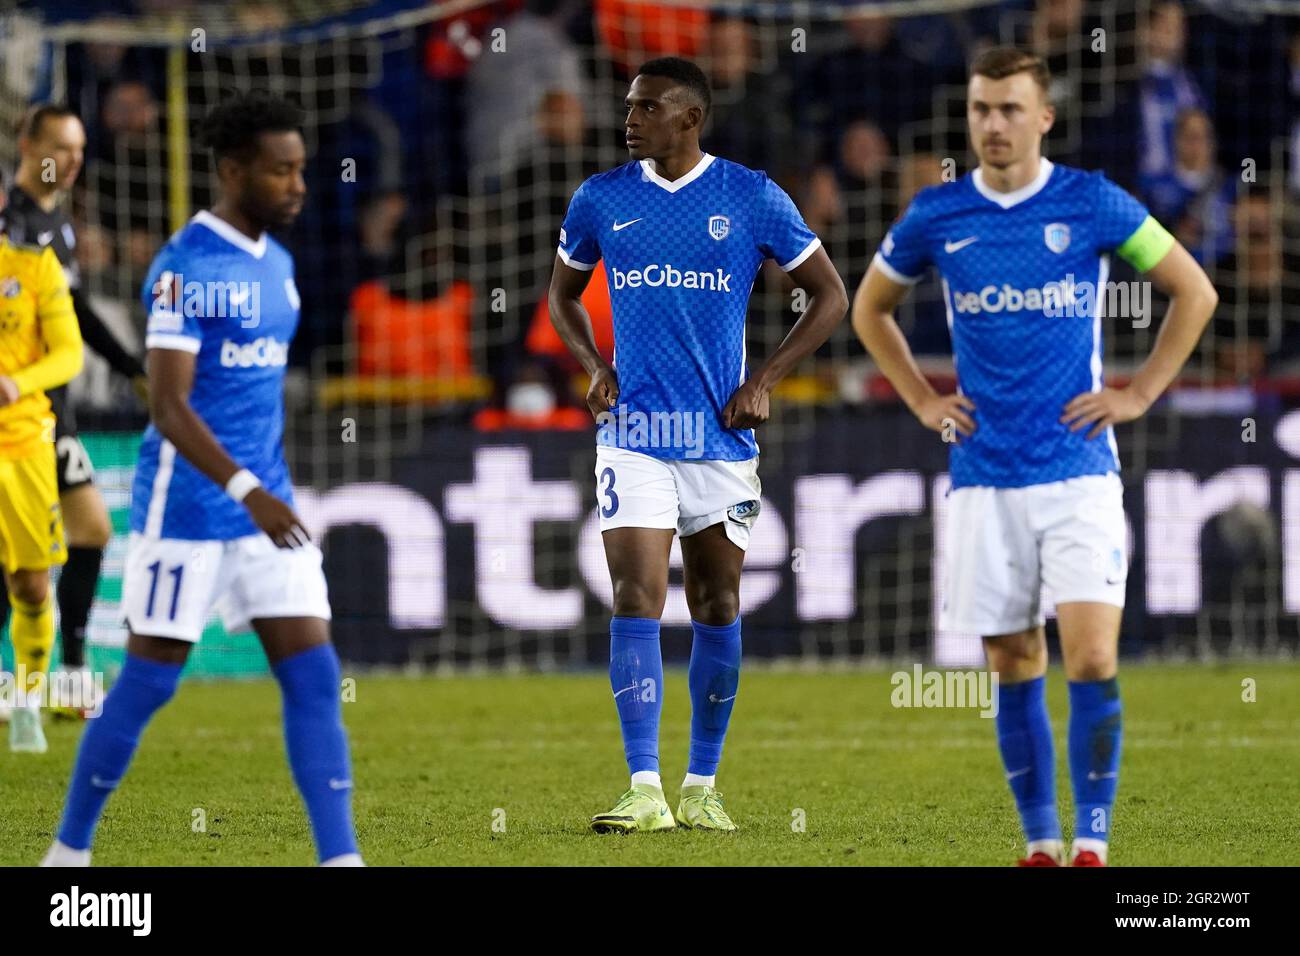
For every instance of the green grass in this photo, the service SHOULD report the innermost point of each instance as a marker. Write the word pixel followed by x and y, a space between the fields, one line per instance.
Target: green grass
pixel 1206 779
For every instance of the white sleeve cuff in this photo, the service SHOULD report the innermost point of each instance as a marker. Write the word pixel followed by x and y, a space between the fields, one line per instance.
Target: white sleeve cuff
pixel 799 259
pixel 574 263
pixel 179 343
pixel 891 273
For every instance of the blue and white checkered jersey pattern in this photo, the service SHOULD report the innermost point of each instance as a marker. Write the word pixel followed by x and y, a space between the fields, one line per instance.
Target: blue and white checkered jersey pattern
pixel 231 301
pixel 681 258
pixel 1024 277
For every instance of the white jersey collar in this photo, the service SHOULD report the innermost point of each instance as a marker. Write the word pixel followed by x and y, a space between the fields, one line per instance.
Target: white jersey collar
pixel 1007 200
pixel 672 185
pixel 226 231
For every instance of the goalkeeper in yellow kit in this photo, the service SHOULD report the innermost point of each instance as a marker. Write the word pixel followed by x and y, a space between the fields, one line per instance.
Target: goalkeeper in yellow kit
pixel 40 348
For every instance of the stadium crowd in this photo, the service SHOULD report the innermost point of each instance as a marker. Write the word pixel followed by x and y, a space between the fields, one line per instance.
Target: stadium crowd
pixel 432 261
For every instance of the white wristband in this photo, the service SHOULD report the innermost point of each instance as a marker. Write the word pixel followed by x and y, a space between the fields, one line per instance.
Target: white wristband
pixel 241 483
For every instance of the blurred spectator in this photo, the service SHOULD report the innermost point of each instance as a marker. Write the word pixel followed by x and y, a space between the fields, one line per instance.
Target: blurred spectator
pixel 1257 324
pixel 504 90
pixel 743 127
pixel 868 186
pixel 412 338
pixel 531 403
pixel 131 139
pixel 1194 198
pixel 1166 88
pixel 915 172
pixel 871 79
pixel 635 32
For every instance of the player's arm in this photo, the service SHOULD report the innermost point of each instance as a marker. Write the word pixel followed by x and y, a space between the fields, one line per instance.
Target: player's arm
pixel 749 406
pixel 873 320
pixel 1192 300
pixel 573 324
pixel 171 379
pixel 58 330
pixel 100 338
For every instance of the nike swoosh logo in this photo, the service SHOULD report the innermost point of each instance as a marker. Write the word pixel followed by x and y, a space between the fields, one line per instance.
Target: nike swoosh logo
pixel 624 225
pixel 951 247
pixel 713 699
pixel 624 691
pixel 340 784
pixel 1093 775
pixel 1017 773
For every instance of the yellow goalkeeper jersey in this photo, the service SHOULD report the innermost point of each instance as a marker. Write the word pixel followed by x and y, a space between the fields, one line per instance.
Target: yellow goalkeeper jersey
pixel 40 343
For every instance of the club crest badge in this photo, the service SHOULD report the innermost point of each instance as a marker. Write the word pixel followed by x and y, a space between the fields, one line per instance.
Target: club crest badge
pixel 1057 236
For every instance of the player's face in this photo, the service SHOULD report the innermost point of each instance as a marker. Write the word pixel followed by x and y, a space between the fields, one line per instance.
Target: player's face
pixel 60 150
pixel 658 115
pixel 272 190
pixel 1007 118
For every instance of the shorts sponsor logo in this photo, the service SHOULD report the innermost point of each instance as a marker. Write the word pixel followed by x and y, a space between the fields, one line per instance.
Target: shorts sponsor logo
pixel 743 512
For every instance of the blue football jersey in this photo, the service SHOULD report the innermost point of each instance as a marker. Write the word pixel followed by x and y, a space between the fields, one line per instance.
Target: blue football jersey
pixel 681 258
pixel 232 302
pixel 1024 277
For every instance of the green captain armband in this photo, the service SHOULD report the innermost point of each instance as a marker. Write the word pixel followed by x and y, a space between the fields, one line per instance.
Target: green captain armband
pixel 1147 246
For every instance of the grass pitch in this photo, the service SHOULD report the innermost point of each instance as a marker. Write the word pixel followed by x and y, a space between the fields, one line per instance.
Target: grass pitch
pixel 506 770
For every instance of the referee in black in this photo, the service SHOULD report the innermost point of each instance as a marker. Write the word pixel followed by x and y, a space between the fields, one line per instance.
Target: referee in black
pixel 51 147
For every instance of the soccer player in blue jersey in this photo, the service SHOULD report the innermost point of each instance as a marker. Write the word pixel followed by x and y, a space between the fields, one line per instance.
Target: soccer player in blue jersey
pixel 683 234
pixel 212 514
pixel 1023 247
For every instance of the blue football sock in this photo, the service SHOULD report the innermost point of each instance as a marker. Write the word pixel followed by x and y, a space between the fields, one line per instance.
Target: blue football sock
pixel 1025 739
pixel 636 675
pixel 318 746
pixel 713 677
pixel 1095 730
pixel 109 741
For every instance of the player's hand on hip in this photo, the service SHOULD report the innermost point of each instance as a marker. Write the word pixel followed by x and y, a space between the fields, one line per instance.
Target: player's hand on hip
pixel 1110 406
pixel 946 414
pixel 276 519
pixel 8 391
pixel 749 407
pixel 603 393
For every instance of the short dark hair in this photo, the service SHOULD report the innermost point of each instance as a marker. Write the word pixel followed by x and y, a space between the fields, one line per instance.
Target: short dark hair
pixel 232 127
pixel 35 116
pixel 685 73
pixel 1000 62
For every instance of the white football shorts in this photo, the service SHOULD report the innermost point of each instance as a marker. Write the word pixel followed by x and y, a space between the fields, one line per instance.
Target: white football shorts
pixel 634 490
pixel 1004 544
pixel 170 586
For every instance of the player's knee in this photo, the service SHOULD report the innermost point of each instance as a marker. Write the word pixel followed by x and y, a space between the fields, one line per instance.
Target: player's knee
pixel 1092 664
pixel 638 599
pixel 1018 656
pixel 717 608
pixel 30 587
